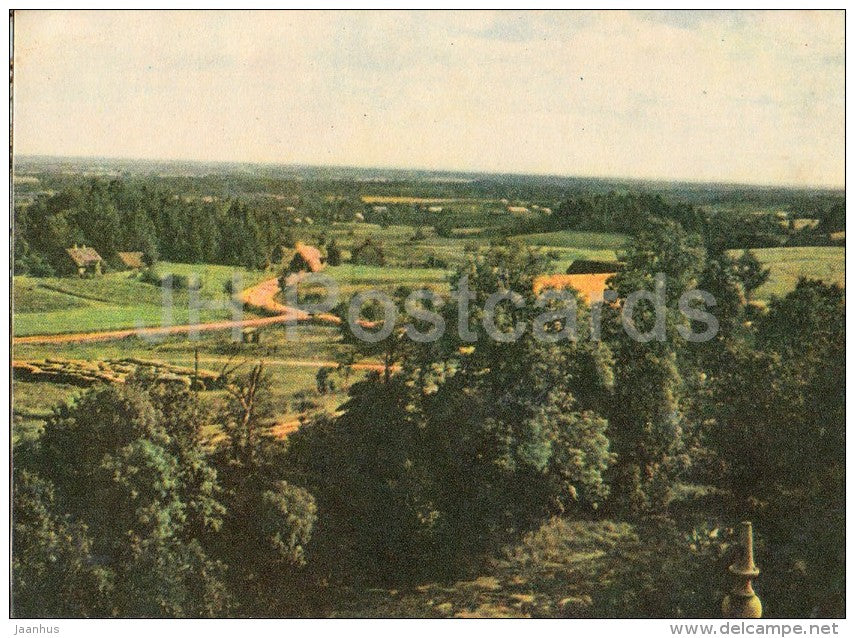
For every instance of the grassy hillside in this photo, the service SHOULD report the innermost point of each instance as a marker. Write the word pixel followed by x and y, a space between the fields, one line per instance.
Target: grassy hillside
pixel 567 569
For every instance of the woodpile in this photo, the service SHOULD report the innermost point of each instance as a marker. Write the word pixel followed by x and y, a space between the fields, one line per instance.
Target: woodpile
pixel 82 373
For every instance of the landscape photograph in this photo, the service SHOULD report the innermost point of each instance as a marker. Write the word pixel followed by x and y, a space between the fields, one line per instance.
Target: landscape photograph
pixel 428 314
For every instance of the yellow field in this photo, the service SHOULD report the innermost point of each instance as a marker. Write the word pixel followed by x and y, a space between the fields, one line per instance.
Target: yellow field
pixel 400 199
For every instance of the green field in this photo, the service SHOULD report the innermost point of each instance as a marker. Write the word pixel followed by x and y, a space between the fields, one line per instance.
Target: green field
pixel 119 300
pixel 580 240
pixel 786 265
pixel 353 278
pixel 291 358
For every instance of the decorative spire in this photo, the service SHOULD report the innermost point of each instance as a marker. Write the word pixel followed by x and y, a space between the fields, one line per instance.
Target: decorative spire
pixel 742 602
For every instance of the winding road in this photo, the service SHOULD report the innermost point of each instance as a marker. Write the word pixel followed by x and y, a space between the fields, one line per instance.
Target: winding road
pixel 259 297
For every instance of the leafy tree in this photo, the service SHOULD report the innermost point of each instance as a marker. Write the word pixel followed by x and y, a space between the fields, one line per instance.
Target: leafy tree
pixel 269 520
pixel 333 253
pixel 53 570
pixel 778 428
pixel 464 446
pixel 111 471
pixel 750 272
pixel 646 420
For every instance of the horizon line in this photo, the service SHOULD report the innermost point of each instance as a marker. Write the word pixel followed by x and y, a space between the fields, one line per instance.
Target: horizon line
pixel 603 178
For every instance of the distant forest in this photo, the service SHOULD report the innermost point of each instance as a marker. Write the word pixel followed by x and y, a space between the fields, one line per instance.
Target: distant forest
pixel 238 219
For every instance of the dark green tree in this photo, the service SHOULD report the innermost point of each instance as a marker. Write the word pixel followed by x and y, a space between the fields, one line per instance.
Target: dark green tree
pixel 751 272
pixel 114 472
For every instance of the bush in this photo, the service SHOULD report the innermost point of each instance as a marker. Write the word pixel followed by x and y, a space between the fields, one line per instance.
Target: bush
pixel 369 253
pixel 176 282
pixel 333 253
pixel 435 262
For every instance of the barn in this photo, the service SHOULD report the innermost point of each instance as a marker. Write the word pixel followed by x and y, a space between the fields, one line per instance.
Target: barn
pixel 306 259
pixel 84 261
pixel 132 260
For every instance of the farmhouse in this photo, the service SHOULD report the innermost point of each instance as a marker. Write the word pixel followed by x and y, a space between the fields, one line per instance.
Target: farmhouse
pixel 590 285
pixel 517 209
pixel 132 260
pixel 85 261
pixel 306 259
pixel 587 276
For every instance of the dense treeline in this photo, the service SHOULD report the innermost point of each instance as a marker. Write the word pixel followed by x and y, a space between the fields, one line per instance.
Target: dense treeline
pixel 738 227
pixel 118 216
pixel 232 180
pixel 120 510
pixel 241 220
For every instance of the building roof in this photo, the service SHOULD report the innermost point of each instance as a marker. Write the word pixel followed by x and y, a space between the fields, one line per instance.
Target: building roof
pixel 83 256
pixel 310 255
pixel 590 286
pixel 593 266
pixel 132 259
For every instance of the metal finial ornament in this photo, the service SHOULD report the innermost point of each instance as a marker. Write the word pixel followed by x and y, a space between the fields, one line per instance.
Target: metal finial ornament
pixel 742 602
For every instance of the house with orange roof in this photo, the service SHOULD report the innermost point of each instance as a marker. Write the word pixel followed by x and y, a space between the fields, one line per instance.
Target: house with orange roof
pixel 306 259
pixel 588 277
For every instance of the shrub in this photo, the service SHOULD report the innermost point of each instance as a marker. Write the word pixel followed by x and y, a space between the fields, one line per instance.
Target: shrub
pixel 435 262
pixel 333 253
pixel 177 282
pixel 369 253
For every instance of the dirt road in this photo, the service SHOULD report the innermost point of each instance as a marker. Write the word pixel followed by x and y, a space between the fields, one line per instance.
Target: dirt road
pixel 260 296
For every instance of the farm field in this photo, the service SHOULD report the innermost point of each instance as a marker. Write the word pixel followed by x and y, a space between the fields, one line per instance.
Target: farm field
pixel 580 240
pixel 291 359
pixel 402 199
pixel 58 305
pixel 786 265
pixel 352 278
pixel 117 300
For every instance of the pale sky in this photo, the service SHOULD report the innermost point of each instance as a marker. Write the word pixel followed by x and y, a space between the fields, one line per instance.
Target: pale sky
pixel 701 96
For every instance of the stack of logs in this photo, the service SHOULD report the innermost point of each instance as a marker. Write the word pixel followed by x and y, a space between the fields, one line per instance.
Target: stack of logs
pixel 87 373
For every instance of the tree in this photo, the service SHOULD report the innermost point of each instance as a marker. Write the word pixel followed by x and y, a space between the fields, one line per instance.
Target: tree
pixel 777 426
pixel 269 520
pixel 462 446
pixel 53 570
pixel 111 479
pixel 333 253
pixel 750 272
pixel 646 420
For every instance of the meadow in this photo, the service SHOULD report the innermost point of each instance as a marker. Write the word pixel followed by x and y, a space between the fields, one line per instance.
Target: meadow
pixel 292 359
pixel 117 300
pixel 786 265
